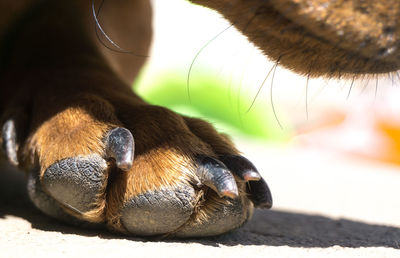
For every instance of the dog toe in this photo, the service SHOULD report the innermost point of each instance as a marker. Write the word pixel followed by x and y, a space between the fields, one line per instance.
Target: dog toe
pixel 158 212
pixel 49 206
pixel 76 182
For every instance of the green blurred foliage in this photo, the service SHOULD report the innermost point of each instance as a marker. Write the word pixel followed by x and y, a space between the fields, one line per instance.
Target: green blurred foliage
pixel 210 98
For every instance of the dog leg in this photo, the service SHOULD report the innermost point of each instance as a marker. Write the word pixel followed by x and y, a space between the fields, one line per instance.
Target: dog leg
pixel 100 154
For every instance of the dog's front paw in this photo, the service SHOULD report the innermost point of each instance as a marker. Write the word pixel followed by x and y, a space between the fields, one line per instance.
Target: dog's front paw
pixel 185 179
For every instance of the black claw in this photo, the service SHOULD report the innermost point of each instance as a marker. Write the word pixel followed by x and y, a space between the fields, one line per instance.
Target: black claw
pixel 10 145
pixel 260 194
pixel 241 167
pixel 257 188
pixel 120 146
pixel 214 174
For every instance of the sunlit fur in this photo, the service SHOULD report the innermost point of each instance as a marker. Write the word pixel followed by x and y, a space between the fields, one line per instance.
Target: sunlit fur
pixel 320 37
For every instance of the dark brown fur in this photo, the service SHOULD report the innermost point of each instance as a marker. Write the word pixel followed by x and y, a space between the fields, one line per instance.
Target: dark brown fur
pixel 320 37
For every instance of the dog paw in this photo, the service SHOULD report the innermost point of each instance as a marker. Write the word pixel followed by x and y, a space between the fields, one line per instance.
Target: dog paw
pixel 140 169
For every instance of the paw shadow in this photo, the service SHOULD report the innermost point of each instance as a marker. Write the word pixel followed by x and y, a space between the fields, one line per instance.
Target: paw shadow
pixel 14 201
pixel 281 228
pixel 268 227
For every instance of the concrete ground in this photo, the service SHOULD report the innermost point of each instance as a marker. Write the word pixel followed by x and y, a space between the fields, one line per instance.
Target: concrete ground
pixel 324 206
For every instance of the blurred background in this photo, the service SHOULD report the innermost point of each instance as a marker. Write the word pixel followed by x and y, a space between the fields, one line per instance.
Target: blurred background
pixel 201 66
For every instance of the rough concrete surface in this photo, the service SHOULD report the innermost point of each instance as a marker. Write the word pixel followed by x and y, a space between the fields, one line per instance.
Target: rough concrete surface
pixel 324 206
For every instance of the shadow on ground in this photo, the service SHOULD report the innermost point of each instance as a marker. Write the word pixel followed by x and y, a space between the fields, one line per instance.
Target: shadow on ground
pixel 271 228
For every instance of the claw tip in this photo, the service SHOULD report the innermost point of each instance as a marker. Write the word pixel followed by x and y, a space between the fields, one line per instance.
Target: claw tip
pixel 124 165
pixel 265 205
pixel 251 176
pixel 233 194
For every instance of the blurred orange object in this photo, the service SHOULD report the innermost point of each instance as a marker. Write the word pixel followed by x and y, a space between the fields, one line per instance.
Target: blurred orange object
pixel 369 129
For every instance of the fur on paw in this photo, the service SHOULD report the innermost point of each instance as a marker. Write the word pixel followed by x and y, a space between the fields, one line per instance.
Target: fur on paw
pixel 141 169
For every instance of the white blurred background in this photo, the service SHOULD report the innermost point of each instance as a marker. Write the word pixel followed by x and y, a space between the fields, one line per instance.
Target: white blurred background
pixel 183 29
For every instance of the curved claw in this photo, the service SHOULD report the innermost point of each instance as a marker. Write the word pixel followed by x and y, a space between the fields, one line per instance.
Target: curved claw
pixel 214 174
pixel 120 146
pixel 260 194
pixel 257 188
pixel 241 167
pixel 10 146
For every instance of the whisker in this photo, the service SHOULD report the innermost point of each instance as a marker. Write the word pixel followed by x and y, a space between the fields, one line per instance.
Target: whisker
pixel 351 86
pixel 271 94
pixel 318 92
pixel 99 27
pixel 197 55
pixel 364 87
pixel 391 78
pixel 261 86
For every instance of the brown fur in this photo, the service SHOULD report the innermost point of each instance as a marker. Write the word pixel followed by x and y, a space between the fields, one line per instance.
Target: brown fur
pixel 67 91
pixel 320 37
